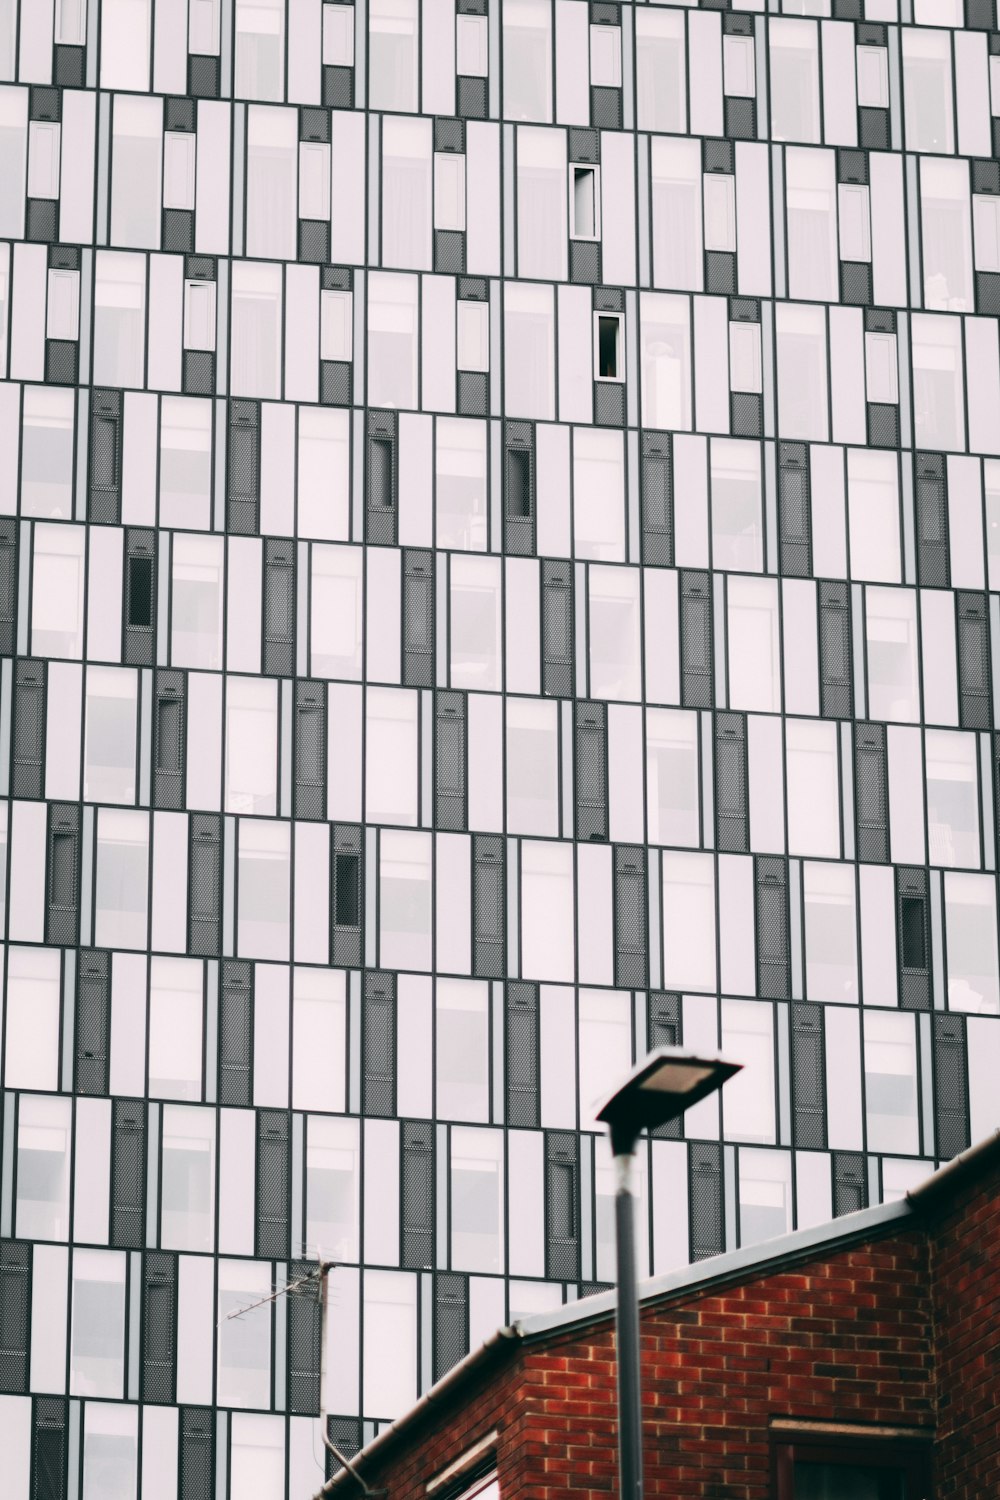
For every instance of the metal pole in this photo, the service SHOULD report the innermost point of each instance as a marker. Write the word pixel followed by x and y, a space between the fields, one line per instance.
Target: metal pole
pixel 627 1333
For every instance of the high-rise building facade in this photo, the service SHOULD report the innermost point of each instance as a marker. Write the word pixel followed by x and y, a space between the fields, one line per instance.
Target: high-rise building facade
pixel 499 568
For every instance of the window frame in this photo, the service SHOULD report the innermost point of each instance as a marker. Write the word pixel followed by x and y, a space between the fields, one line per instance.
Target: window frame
pixel 912 1454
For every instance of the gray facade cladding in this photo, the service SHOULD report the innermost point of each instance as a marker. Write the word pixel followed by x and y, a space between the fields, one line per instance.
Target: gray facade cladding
pixel 499 569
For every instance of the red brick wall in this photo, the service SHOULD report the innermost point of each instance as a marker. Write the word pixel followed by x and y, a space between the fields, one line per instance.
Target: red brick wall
pixel 847 1338
pixel 965 1265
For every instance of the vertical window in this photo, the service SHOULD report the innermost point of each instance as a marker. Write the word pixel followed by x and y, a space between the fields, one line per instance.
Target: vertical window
pixel 122 886
pixel 405 876
pixel 952 798
pixel 737 530
pixel 136 156
pixel 475 623
pixel 251 745
pixel 605 1046
pixel 532 766
pixel 244 1343
pixel 196 600
pixel 831 932
pixel 392 340
pixel 547 915
pixel 33 1014
pixel 319 1039
pixel 392 54
pixel 119 319
pixel 406 193
pixel 615 668
pixel 891 1083
pixel 748 1101
pixel 891 623
pixel 110 1451
pixel 391 756
pixel 460 489
pixel 13 147
pixel 689 921
pixel 185 462
pixel 476 1200
pixel 272 165
pixel 938 384
pixel 765 1187
pixel 529 351
pixel 677 213
pixel 873 511
pixel 794 56
pixel 176 1006
pixel 665 336
pixel 255 347
pixel 258 1456
pixel 527 60
pixel 661 70
pixel 813 787
pixel 57 591
pixel 927 96
pixel 971 932
pixel 43 1145
pixel 124 44
pixel 754 659
pixel 390 1322
pixel 187 1190
pixel 599 478
pixel 813 261
pixel 264 889
pixel 47 428
pixel 463 1049
pixel 336 604
pixel 672 776
pixel 260 49
pixel 802 370
pixel 97 1341
pixel 333 1188
pixel 110 746
pixel 541 203
pixel 947 235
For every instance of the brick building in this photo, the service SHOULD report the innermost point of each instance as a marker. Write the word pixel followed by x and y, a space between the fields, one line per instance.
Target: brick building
pixel 858 1361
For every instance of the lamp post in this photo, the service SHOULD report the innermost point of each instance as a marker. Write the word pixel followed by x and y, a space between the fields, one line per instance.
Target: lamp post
pixel 660 1087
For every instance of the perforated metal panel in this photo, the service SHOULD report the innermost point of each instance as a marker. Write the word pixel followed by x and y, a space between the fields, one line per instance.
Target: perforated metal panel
pixel 279 607
pixel 932 520
pixel 871 793
pixel 732 817
pixel 951 1085
pixel 310 750
pixel 631 918
pixel 488 906
pixel 746 414
pixel 347 890
pixel 591 770
pixel 850 1190
pixel 657 499
pixel 913 938
pixel 450 761
pixel 696 641
pixel 48 1449
pixel 836 689
pixel 140 597
pixel 105 455
pixel 159 1327
pixel 522 1060
pixel 62 912
pixel 794 510
pixel 15 1302
pixel 273 1185
pixel 169 739
pixel 451 1320
pixel 558 675
pixel 606 108
pixel 773 961
pixel 205 885
pixel 379 1045
pixel 345 1434
pixel 92 1033
pixel 382 511
pixel 664 1028
pixel 128 1174
pixel 418 618
pixel 304 1354
pixel 562 1206
pixel 197 1454
pixel 809 1076
pixel 30 695
pixel 8 583
pixel 236 1033
pixel 883 425
pixel 243 508
pixel 706 1207
pixel 418 1195
pixel 974 666
pixel 519 488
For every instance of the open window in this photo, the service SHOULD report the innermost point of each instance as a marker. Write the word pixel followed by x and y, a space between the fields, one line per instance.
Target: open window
pixel 584 201
pixel 609 346
pixel 849 1465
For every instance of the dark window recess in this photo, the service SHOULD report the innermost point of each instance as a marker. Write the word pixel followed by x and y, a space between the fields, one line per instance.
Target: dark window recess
pixel 773 961
pixel 205 885
pixel 418 618
pixel 128 1174
pixel 450 761
pixel 522 1071
pixel 932 521
pixel 707 1211
pixel 378 1045
pixel 105 487
pixel 608 340
pixel 732 818
pixel 827 1464
pixel 243 509
pixel 913 934
pixel 309 784
pixel 850 1187
pixel 558 677
pixel 418 1195
pixel 169 739
pixel 382 520
pixel 8 584
pixel 140 601
pixel 92 1032
pixel 15 1300
pixel 630 917
pixel 794 510
pixel 657 498
pixel 62 912
pixel 488 905
pixel 696 640
pixel 591 770
pixel 30 683
pixel 836 691
pixel 951 1085
pixel 304 1310
pixel 159 1328
pixel 974 696
pixel 273 1183
pixel 562 1206
pixel 347 895
pixel 664 1029
pixel 197 1453
pixel 279 608
pixel 48 1449
pixel 809 1076
pixel 236 1033
pixel 871 793
pixel 519 489
pixel 451 1320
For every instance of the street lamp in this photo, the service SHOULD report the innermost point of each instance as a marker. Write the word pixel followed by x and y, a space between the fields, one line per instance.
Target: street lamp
pixel 659 1088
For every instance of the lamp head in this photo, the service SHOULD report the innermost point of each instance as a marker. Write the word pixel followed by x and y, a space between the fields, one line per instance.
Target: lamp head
pixel 659 1088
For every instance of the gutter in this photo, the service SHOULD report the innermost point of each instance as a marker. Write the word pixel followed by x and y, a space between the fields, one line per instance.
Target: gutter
pixel 492 1351
pixel 952 1172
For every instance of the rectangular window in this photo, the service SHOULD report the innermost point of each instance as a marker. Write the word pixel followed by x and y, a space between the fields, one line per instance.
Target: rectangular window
pixel 661 70
pixel 737 526
pixel 255 338
pixel 893 685
pixel 813 1466
pixel 599 467
pixel 390 1320
pixel 97 1341
pixel 665 355
pixel 121 900
pixel 476 1200
pixel 264 889
pixel 187 1189
pixel 748 1101
pixel 475 623
pixel 463 1049
pixel 677 212
pixel 43 1147
pixel 547 911
pixel 251 745
pixel 260 49
pixel 407 193
pixel 393 54
pixel 110 743
pixel 196 614
pixel 33 1017
pixel 527 60
pixel 333 1187
pixel 971 932
pixel 176 1007
pixel 952 798
pixel 532 767
pixel 119 319
pixel 185 462
pixel 689 921
pixel 319 1035
pixel 460 491
pixel 392 340
pixel 754 657
pixel 405 876
pixel 672 777
pixel 765 1189
pixel 614 633
pixel 873 513
pixel 391 756
pixel 927 94
pixel 529 350
pixel 891 1083
pixel 57 591
pixel 794 57
pixel 47 428
pixel 831 932
pixel 244 1343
